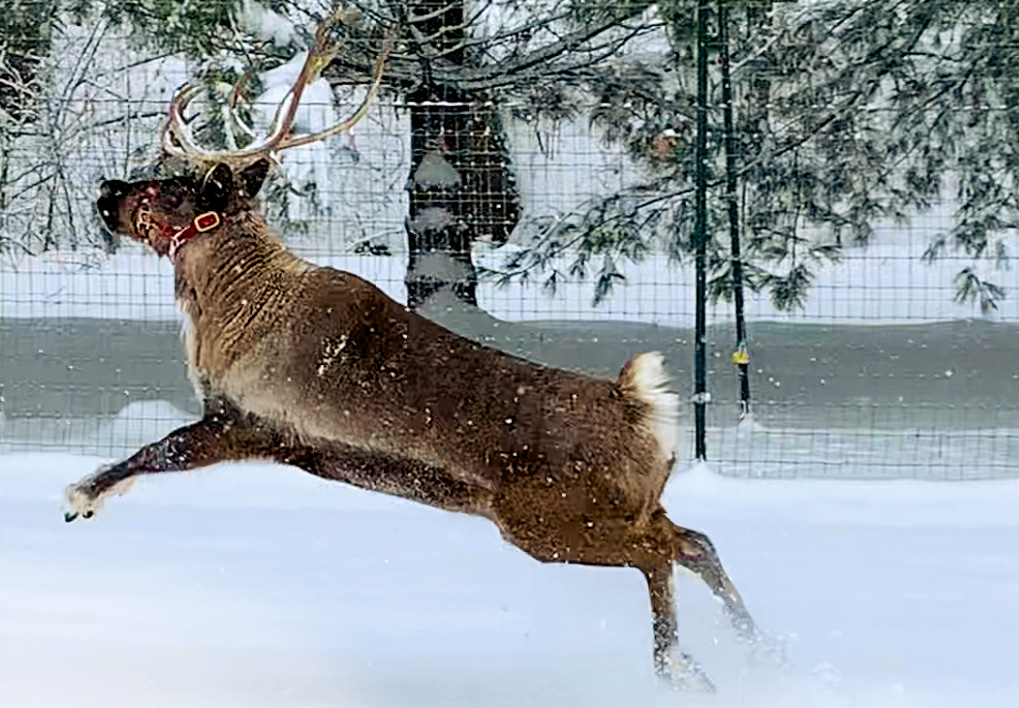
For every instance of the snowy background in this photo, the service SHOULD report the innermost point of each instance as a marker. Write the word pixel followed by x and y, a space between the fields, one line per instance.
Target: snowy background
pixel 882 374
pixel 251 585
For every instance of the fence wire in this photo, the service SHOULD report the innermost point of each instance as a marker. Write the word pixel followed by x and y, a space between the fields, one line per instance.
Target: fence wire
pixel 885 353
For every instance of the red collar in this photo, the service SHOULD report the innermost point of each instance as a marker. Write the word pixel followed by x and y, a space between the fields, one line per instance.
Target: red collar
pixel 202 223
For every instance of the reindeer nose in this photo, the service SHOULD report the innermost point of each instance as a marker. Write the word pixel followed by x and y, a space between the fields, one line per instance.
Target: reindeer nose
pixel 113 189
pixel 110 193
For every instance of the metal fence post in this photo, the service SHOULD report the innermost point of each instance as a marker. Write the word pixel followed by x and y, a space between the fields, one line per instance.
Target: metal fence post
pixel 740 357
pixel 700 397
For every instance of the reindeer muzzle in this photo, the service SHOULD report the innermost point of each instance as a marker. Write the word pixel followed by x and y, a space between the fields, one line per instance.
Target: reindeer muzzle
pixel 108 203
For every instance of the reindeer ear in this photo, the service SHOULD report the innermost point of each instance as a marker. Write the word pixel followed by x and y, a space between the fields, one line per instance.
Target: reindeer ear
pixel 215 190
pixel 252 177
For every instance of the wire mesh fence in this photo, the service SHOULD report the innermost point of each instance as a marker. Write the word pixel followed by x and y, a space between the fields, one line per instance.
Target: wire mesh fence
pixel 877 352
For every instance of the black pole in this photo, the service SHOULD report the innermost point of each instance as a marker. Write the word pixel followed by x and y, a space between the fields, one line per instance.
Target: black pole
pixel 740 357
pixel 700 398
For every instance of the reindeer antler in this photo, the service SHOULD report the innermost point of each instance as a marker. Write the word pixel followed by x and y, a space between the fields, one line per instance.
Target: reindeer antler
pixel 177 138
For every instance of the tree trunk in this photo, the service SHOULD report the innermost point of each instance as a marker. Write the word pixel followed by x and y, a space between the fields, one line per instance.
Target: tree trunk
pixel 26 35
pixel 460 187
pixel 25 38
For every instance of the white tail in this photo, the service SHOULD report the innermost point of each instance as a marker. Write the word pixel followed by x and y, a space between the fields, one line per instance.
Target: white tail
pixel 645 378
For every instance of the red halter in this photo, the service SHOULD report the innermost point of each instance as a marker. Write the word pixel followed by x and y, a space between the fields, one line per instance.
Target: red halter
pixel 202 223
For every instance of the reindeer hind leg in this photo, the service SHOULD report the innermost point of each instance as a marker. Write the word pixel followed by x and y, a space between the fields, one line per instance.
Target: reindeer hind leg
pixel 671 663
pixel 696 553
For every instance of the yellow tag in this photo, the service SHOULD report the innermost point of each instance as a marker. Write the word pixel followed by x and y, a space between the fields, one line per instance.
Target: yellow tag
pixel 740 356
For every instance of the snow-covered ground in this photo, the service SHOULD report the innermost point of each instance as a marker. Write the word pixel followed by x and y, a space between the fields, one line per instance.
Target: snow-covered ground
pixel 256 585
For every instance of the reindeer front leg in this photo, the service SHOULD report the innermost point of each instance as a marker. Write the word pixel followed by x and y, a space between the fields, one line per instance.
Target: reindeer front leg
pixel 215 438
pixel 226 434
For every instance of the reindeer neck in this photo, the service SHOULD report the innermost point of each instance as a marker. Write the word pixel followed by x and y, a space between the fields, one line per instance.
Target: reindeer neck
pixel 235 276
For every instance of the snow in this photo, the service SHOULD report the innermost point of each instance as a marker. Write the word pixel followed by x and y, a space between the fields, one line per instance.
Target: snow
pixel 266 24
pixel 883 284
pixel 132 284
pixel 257 585
pixel 937 452
pixel 314 113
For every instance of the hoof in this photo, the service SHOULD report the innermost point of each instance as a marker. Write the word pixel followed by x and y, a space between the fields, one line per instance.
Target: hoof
pixel 685 674
pixel 78 501
pixel 769 652
pixel 70 516
pixel 81 499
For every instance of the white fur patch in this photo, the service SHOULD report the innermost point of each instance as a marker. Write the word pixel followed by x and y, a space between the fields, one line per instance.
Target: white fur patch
pixel 332 350
pixel 190 339
pixel 79 501
pixel 649 382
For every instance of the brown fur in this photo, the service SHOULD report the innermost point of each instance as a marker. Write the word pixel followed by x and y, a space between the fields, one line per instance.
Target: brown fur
pixel 318 368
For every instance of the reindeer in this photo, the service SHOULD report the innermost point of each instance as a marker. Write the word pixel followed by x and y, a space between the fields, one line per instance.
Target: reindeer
pixel 319 369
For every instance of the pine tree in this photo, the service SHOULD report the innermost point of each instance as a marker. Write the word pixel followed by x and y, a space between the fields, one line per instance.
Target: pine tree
pixel 850 113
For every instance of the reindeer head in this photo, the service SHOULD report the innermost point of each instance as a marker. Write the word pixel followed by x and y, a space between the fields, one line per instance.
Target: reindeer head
pixel 221 183
pixel 162 213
